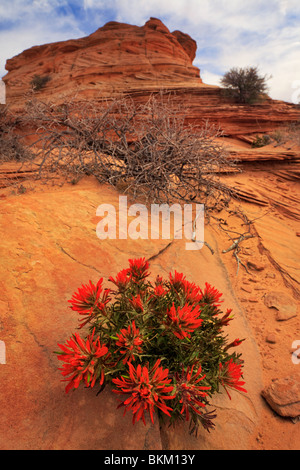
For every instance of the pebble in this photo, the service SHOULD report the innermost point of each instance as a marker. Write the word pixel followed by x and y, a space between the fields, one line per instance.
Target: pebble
pixel 256 265
pixel 271 338
pixel 246 290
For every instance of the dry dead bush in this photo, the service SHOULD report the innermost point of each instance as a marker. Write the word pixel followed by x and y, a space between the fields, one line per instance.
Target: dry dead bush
pixel 293 133
pixel 288 134
pixel 11 145
pixel 146 146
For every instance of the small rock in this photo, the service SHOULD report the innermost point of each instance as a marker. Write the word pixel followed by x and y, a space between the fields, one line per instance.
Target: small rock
pixel 283 315
pixel 246 289
pixel 286 306
pixel 271 338
pixel 271 275
pixel 256 265
pixel 283 396
pixel 252 299
pixel 297 234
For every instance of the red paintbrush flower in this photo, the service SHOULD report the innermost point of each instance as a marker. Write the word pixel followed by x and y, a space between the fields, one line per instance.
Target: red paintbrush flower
pixel 83 361
pixel 129 339
pixel 192 292
pixel 159 291
pixel 224 321
pixel 211 295
pixel 137 303
pixel 138 269
pixel 190 393
pixel 147 389
pixel 234 343
pixel 177 281
pixel 122 279
pixel 230 374
pixel 86 301
pixel 158 280
pixel 183 321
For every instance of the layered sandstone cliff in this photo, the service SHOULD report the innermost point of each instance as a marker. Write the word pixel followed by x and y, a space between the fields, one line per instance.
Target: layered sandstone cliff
pixel 117 57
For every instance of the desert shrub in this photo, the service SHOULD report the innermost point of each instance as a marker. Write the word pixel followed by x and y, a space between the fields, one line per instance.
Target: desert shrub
pixel 261 141
pixel 160 344
pixel 279 135
pixel 290 133
pixel 293 133
pixel 146 146
pixel 39 82
pixel 244 85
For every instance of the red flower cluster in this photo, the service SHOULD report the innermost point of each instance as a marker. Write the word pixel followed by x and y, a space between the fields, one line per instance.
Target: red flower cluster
pixel 170 320
pixel 183 321
pixel 147 389
pixel 129 339
pixel 230 374
pixel 82 361
pixel 193 293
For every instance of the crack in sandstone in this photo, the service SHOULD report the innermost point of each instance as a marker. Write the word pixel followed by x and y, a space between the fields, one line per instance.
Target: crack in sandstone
pixel 76 260
pixel 160 251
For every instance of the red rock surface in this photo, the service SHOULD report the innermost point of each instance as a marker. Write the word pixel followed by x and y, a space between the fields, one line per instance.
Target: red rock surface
pixel 49 249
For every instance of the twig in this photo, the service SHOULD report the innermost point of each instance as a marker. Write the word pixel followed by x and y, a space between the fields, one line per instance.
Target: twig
pixel 239 240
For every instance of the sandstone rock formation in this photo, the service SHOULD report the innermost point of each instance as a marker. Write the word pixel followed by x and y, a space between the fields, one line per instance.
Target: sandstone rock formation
pixel 117 57
pixel 139 60
pixel 49 247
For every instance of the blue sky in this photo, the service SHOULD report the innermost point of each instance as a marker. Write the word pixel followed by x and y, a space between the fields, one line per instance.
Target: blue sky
pixel 229 33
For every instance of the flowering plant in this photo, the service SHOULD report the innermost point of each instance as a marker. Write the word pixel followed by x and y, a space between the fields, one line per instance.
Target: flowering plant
pixel 159 344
